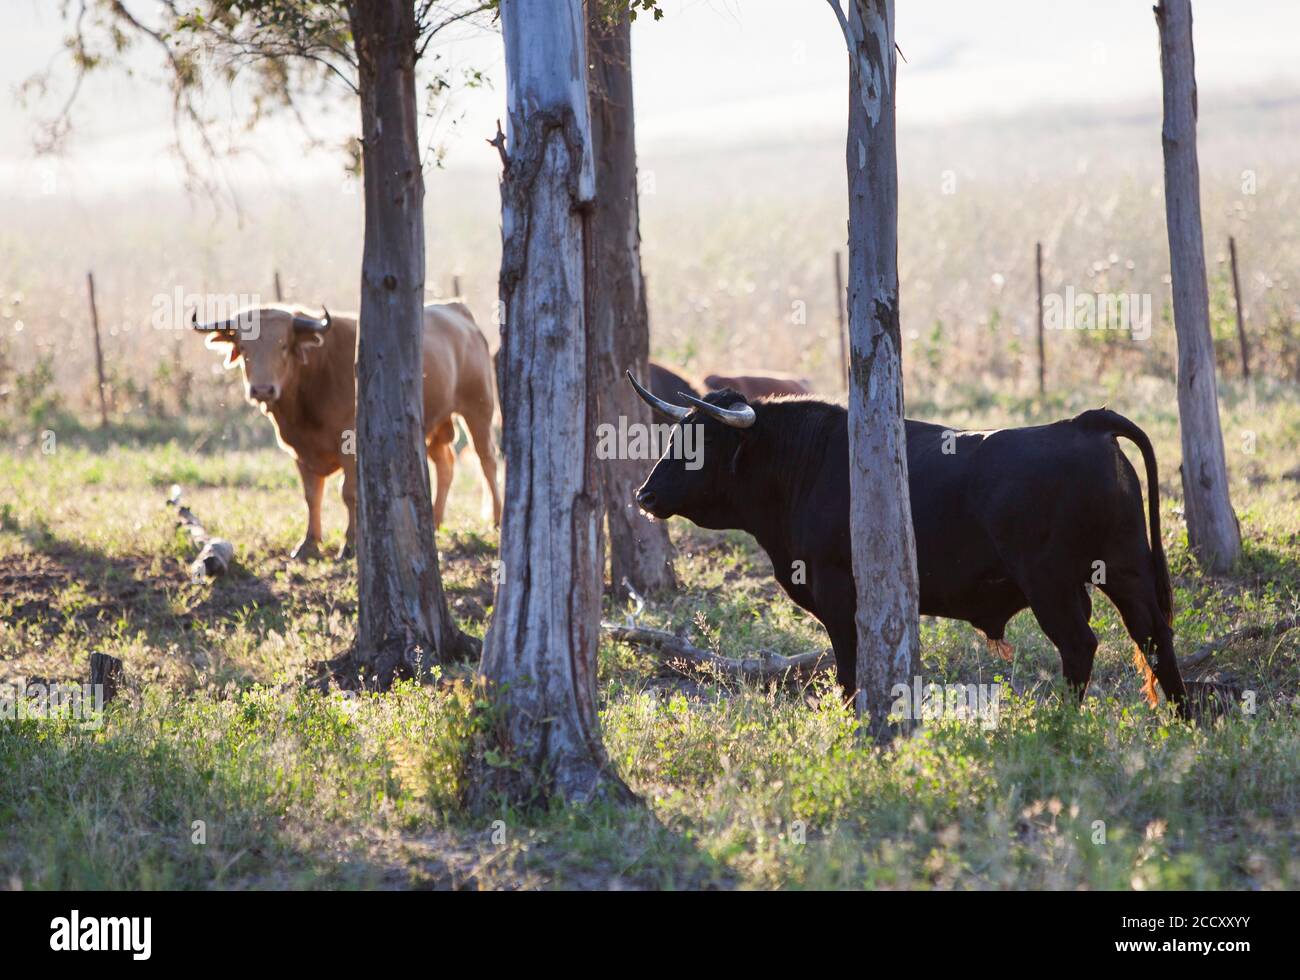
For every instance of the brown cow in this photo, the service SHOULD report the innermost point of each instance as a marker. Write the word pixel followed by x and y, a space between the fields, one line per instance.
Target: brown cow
pixel 756 384
pixel 299 370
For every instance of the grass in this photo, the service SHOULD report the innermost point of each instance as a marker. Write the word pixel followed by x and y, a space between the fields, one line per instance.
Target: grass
pixel 218 769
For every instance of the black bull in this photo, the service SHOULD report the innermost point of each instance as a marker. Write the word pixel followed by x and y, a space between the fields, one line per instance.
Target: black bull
pixel 1003 520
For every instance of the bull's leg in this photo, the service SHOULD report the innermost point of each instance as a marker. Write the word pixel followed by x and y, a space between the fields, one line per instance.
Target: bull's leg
pixel 480 434
pixel 1135 598
pixel 834 600
pixel 349 494
pixel 1062 611
pixel 313 487
pixel 444 465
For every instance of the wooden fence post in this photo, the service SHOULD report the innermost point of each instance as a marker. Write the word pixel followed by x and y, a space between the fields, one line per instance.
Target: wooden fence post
pixel 99 350
pixel 1241 320
pixel 1042 352
pixel 107 672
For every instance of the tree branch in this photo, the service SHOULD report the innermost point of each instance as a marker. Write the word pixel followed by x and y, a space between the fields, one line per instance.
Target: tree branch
pixel 760 666
pixel 465 14
pixel 1261 631
pixel 499 141
pixel 844 22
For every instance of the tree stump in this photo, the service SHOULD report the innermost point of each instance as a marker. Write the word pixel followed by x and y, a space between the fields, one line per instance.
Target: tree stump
pixel 106 672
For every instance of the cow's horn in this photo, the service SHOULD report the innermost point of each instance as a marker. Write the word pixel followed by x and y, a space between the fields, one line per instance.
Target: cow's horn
pixel 738 418
pixel 310 324
pixel 674 412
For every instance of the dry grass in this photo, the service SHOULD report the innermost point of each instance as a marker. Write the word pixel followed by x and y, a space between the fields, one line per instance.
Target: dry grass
pixel 737 250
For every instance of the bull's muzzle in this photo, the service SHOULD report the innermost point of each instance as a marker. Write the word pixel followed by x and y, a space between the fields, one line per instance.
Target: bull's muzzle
pixel 646 499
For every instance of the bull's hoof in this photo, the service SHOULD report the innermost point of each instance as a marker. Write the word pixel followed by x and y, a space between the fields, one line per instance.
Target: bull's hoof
pixel 346 552
pixel 307 550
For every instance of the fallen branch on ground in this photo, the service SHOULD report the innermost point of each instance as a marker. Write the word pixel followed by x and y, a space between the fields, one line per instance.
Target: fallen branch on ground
pixel 760 666
pixel 215 554
pixel 1261 631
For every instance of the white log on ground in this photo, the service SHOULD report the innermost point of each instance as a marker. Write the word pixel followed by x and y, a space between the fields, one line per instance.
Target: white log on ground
pixel 215 554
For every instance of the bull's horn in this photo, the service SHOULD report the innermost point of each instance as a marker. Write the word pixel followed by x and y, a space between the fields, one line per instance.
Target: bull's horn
pixel 737 418
pixel 674 412
pixel 207 327
pixel 310 324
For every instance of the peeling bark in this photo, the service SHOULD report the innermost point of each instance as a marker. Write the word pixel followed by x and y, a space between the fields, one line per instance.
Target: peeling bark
pixel 640 552
pixel 1212 528
pixel 404 626
pixel 539 660
pixel 884 547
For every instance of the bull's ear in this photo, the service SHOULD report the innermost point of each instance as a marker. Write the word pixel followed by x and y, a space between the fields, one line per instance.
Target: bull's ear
pixel 224 339
pixel 304 341
pixel 740 451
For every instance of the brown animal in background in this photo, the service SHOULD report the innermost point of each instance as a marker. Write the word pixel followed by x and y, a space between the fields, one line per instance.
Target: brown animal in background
pixel 298 369
pixel 666 383
pixel 756 384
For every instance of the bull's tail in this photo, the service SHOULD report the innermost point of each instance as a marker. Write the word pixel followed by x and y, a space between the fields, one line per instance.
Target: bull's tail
pixel 1116 424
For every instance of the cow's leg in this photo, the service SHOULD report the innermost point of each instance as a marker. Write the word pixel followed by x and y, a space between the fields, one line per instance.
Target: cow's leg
pixel 444 465
pixel 349 494
pixel 1135 597
pixel 480 434
pixel 1062 610
pixel 313 488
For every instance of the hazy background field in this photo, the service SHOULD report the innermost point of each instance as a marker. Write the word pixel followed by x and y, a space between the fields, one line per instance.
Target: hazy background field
pixel 743 204
pixel 738 245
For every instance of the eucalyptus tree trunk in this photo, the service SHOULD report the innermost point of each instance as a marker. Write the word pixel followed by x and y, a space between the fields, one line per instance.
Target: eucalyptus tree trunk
pixel 404 625
pixel 640 553
pixel 1212 528
pixel 539 659
pixel 884 547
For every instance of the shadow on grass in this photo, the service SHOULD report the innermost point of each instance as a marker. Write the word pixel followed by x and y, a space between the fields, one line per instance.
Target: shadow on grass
pixel 1264 564
pixel 147 807
pixel 617 846
pixel 130 592
pixel 280 790
pixel 117 813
